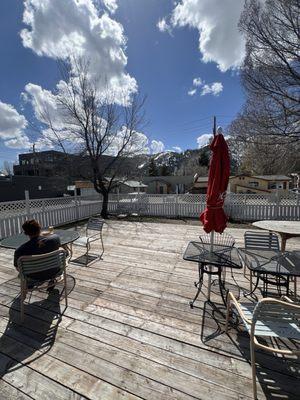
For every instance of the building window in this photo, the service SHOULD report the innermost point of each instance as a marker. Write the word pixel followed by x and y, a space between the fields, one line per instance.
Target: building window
pixel 161 190
pixel 272 185
pixel 253 184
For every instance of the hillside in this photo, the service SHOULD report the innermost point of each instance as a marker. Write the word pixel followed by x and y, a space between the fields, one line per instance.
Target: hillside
pixel 188 162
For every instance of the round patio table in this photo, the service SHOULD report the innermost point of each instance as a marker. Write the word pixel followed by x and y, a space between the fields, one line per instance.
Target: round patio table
pixel 286 229
pixel 66 238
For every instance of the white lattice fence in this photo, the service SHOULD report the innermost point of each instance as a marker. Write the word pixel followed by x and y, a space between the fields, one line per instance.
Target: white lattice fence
pixel 12 208
pixel 58 211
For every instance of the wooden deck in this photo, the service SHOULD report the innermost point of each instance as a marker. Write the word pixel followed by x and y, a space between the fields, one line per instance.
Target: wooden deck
pixel 128 332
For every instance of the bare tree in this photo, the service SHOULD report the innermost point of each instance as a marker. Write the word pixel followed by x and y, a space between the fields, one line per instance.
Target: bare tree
pixel 92 125
pixel 262 154
pixel 7 168
pixel 271 70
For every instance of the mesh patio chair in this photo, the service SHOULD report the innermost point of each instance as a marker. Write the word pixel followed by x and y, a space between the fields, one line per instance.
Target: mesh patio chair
pixel 220 239
pixel 93 233
pixel 269 318
pixel 259 240
pixel 28 265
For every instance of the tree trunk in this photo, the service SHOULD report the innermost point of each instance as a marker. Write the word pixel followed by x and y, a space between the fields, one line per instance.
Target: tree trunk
pixel 104 213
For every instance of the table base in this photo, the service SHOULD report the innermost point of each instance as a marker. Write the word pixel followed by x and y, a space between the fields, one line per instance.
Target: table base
pixel 210 271
pixel 280 281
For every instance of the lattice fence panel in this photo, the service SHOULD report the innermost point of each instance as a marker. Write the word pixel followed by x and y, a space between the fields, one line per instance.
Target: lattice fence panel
pixel 12 208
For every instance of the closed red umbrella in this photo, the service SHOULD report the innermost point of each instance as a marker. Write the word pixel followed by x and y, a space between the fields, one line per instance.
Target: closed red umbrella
pixel 214 217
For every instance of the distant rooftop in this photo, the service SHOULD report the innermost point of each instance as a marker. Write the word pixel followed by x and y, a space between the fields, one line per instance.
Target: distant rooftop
pixel 135 184
pixel 273 177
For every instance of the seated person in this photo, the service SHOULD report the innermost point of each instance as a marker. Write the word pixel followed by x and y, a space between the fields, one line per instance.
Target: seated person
pixel 37 244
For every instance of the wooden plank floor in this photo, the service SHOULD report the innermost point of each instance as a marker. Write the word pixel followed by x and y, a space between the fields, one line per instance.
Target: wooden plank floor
pixel 128 332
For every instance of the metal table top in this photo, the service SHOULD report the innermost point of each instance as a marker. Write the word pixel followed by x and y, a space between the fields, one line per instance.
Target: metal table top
pixel 223 256
pixel 272 262
pixel 13 242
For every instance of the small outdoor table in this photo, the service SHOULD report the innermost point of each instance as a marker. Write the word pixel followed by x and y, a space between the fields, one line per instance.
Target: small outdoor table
pixel 286 229
pixel 265 263
pixel 212 263
pixel 66 238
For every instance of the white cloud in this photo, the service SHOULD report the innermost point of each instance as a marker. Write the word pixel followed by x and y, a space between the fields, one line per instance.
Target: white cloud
pixel 217 22
pixel 157 146
pixel 44 104
pixel 197 82
pixel 19 142
pixel 137 143
pixel 203 140
pixel 75 28
pixel 192 92
pixel 215 89
pixel 163 26
pixel 177 149
pixel 12 123
pixel 111 5
pixel 12 127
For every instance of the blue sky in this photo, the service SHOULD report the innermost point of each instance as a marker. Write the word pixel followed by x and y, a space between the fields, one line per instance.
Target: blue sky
pixel 163 63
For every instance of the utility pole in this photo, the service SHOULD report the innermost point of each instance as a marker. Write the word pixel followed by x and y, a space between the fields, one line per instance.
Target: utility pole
pixel 215 126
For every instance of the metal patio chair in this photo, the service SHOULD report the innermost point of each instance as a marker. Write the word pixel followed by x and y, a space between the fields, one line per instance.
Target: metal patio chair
pixel 28 265
pixel 220 239
pixel 259 240
pixel 93 233
pixel 269 318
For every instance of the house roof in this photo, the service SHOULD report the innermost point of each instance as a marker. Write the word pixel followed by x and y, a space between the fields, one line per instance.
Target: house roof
pixel 273 177
pixel 202 179
pixel 134 184
pixel 266 177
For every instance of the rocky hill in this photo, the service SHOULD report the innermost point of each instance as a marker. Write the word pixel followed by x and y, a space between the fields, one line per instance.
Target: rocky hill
pixel 188 162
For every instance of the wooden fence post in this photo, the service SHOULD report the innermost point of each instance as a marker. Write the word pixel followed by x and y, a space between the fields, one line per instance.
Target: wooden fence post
pixel 277 203
pixel 176 206
pixel 27 204
pixel 76 205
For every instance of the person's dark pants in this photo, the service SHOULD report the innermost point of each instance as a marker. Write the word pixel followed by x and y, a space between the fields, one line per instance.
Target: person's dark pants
pixel 43 275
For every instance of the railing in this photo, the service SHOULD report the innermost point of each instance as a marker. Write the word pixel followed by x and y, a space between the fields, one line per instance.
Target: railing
pixel 59 211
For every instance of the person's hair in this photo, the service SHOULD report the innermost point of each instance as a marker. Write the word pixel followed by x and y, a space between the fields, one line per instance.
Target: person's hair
pixel 31 227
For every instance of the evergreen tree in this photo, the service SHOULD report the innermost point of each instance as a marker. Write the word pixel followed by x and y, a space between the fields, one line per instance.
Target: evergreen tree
pixel 153 171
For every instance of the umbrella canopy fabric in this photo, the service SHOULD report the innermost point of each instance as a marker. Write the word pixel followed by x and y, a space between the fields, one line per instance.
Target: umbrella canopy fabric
pixel 213 217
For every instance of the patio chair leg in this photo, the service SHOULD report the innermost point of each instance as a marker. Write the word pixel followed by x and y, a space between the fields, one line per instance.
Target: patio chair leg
pixel 102 245
pixel 87 255
pixel 227 314
pixel 22 299
pixel 66 288
pixel 252 350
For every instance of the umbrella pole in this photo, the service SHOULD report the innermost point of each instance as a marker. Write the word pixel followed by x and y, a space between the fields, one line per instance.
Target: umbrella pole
pixel 212 234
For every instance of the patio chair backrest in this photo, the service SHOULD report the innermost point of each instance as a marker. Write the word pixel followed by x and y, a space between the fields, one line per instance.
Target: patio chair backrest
pixel 277 318
pixel 42 262
pixel 95 224
pixel 223 239
pixel 261 240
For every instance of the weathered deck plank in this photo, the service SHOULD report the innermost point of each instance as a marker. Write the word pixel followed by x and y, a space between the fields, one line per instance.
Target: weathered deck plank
pixel 128 332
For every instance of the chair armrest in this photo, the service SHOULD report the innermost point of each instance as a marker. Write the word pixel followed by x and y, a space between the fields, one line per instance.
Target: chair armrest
pixel 92 238
pixel 231 298
pixel 287 299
